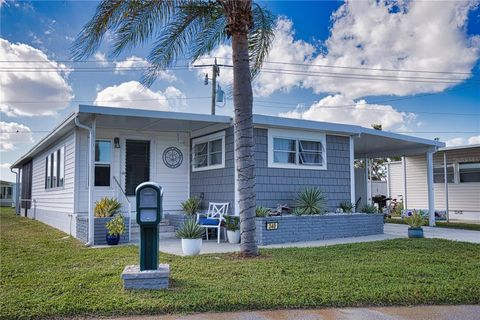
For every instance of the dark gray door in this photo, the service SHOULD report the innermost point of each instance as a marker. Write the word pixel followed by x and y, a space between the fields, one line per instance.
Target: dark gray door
pixel 137 164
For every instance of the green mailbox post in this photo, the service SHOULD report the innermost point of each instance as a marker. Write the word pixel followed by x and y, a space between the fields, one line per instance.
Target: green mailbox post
pixel 149 213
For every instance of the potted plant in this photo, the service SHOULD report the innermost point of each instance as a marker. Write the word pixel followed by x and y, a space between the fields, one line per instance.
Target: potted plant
pixel 232 224
pixel 107 207
pixel 415 220
pixel 191 234
pixel 346 207
pixel 115 228
pixel 191 206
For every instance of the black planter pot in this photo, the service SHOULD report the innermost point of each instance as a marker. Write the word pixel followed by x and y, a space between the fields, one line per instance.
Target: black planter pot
pixel 112 240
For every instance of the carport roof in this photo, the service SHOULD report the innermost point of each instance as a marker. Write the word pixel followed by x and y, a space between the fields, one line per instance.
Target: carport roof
pixel 368 142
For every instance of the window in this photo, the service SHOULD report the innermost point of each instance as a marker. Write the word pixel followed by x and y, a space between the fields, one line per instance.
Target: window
pixel 209 152
pixel 438 174
pixel 103 153
pixel 55 169
pixel 469 171
pixel 292 149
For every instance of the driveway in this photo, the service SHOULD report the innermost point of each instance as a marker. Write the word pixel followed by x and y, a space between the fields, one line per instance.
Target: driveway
pixel 400 230
pixel 386 313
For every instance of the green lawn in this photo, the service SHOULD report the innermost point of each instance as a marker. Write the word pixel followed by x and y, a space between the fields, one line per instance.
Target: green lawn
pixel 45 274
pixel 444 224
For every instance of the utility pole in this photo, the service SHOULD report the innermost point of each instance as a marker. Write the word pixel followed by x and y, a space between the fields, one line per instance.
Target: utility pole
pixel 215 74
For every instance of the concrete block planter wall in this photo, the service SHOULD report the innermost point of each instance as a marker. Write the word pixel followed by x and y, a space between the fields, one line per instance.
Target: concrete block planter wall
pixel 318 227
pixel 100 232
pixel 176 219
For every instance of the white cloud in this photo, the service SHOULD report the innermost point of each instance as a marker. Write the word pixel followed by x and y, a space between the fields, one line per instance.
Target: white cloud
pixel 5 165
pixel 474 140
pixel 414 35
pixel 100 58
pixel 48 90
pixel 133 95
pixel 136 62
pixel 459 141
pixel 13 134
pixel 341 109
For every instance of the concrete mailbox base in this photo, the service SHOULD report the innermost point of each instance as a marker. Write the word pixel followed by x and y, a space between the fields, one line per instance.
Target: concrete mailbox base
pixel 133 278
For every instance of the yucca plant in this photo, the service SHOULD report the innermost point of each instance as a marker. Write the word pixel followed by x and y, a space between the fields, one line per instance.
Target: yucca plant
pixel 369 208
pixel 190 230
pixel 261 212
pixel 346 206
pixel 191 206
pixel 311 201
pixel 107 207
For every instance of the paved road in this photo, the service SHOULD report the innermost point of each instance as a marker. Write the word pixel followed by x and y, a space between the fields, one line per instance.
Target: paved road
pixel 385 313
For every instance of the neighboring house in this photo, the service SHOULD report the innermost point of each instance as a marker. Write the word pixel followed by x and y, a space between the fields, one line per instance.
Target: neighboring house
pixel 104 151
pixel 7 193
pixel 462 176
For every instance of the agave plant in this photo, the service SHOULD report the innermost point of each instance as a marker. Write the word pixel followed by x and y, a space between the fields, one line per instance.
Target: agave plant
pixel 107 207
pixel 346 206
pixel 190 230
pixel 261 211
pixel 311 201
pixel 416 219
pixel 191 206
pixel 369 208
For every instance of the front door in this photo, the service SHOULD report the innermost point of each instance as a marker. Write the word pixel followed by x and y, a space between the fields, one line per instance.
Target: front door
pixel 137 164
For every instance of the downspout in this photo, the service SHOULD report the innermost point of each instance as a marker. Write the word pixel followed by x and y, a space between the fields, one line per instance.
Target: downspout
pixel 17 208
pixel 91 177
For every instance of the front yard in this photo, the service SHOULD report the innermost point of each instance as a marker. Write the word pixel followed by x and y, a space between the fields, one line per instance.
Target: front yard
pixel 46 274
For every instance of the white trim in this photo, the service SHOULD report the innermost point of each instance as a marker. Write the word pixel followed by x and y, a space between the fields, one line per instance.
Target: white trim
pixel 208 138
pixel 404 165
pixel 109 187
pixel 352 171
pixel 430 189
pixel 296 135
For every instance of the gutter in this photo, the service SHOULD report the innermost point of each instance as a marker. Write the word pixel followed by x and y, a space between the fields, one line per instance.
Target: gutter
pixel 17 185
pixel 91 177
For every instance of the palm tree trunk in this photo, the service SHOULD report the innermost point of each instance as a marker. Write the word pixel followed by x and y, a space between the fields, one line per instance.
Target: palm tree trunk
pixel 243 130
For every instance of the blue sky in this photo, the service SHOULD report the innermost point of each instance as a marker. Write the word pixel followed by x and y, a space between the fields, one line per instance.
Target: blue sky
pixel 428 36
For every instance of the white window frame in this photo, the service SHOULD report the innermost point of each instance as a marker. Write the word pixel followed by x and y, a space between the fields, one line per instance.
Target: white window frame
pixel 50 187
pixel 459 163
pixel 296 135
pixel 208 138
pixel 110 186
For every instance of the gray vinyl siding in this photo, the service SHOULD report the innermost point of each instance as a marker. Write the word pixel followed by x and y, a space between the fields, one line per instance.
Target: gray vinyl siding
pixel 281 186
pixel 55 207
pixel 216 185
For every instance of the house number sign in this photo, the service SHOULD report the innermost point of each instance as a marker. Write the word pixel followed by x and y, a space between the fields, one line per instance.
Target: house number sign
pixel 172 157
pixel 271 225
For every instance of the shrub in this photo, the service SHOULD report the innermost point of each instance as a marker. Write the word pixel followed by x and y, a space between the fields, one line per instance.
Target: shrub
pixel 311 201
pixel 232 223
pixel 191 206
pixel 398 209
pixel 190 230
pixel 107 207
pixel 369 208
pixel 346 206
pixel 416 219
pixel 115 227
pixel 261 211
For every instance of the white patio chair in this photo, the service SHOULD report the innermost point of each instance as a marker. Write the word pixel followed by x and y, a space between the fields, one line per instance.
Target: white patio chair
pixel 214 218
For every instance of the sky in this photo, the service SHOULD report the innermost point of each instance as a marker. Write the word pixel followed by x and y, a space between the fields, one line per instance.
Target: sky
pixel 412 66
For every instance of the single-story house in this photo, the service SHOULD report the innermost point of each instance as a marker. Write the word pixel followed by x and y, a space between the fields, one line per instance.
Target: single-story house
pixel 456 179
pixel 105 151
pixel 7 193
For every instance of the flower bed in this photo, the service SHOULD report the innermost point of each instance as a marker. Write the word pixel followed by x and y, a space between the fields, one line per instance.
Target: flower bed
pixel 291 228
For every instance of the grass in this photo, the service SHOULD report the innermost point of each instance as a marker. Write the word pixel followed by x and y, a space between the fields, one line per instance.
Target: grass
pixel 444 224
pixel 46 274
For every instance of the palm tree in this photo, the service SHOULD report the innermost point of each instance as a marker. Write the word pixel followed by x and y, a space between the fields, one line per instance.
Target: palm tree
pixel 192 29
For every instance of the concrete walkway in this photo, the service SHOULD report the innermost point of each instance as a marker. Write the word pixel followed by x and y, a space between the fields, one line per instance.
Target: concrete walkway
pixel 391 231
pixel 469 312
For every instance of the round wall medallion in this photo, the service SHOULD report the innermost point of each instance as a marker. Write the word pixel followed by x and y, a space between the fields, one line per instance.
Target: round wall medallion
pixel 172 157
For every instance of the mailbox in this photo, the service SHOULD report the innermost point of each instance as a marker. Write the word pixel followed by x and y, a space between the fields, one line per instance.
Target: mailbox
pixel 149 197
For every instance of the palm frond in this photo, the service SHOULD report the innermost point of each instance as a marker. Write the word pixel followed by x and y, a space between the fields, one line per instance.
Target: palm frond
pixel 177 37
pixel 107 15
pixel 140 22
pixel 260 37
